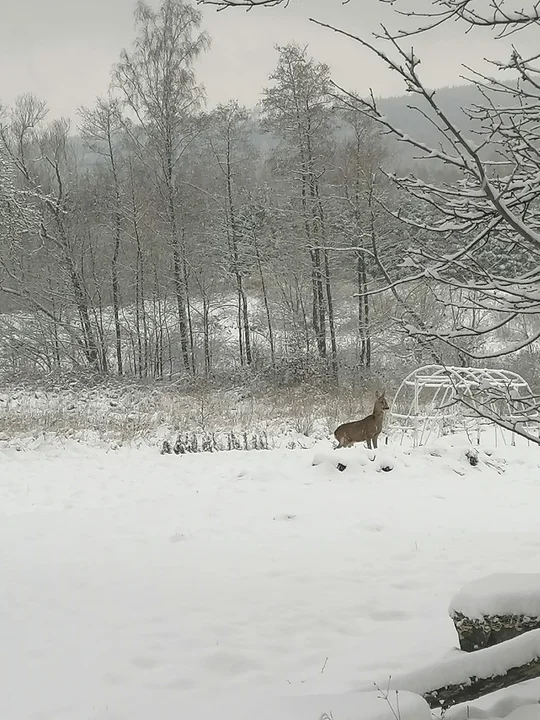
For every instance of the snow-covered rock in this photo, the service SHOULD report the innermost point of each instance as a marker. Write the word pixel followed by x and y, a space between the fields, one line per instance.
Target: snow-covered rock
pixel 499 594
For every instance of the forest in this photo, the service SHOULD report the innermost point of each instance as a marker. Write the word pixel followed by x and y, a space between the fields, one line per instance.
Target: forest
pixel 157 238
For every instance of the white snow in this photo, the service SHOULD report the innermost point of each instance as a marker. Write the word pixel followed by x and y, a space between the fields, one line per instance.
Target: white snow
pixel 387 705
pixel 499 594
pixel 525 712
pixel 471 712
pixel 135 585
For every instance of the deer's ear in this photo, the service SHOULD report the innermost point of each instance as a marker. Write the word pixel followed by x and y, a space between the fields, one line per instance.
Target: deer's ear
pixel 377 394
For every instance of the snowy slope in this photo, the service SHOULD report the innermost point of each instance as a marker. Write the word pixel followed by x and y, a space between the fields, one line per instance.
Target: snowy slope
pixel 136 585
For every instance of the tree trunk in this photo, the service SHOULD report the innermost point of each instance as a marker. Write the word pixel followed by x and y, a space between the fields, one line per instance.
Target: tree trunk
pixel 158 328
pixel 56 337
pixel 243 314
pixel 328 283
pixel 364 332
pixel 117 221
pixel 265 301
pixel 363 309
pixel 316 219
pixel 188 303
pixel 140 295
pixel 304 315
pixel 179 286
pixel 317 305
pixel 81 302
pixel 206 336
pixel 331 322
pixel 180 300
pixel 97 311
pixel 239 324
pixel 247 331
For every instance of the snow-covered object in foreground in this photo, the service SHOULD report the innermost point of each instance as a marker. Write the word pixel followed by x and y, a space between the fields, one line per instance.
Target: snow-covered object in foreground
pixel 349 706
pixel 519 705
pixel 358 460
pixel 525 712
pixel 481 665
pixel 499 594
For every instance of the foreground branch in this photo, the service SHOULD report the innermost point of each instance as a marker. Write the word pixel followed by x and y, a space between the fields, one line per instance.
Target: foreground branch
pixel 248 4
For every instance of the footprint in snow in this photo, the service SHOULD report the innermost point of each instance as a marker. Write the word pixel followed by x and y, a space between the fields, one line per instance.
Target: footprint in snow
pixel 374 528
pixel 285 516
pixel 145 663
pixel 114 679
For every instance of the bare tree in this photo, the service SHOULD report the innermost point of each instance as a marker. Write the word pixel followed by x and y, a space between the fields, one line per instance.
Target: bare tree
pixel 255 220
pixel 100 129
pixel 359 157
pixel 158 86
pixel 493 208
pixel 47 168
pixel 229 142
pixel 297 108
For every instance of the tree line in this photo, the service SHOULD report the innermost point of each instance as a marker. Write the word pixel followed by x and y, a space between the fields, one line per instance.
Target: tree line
pixel 158 238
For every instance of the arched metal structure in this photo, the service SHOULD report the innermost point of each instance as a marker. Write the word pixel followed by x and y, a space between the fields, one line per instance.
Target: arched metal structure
pixel 427 402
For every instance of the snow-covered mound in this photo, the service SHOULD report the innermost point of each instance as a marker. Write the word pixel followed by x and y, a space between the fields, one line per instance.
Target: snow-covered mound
pixel 518 703
pixel 349 706
pixel 499 594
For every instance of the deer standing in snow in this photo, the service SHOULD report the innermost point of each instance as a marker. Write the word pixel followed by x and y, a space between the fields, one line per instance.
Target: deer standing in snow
pixel 366 430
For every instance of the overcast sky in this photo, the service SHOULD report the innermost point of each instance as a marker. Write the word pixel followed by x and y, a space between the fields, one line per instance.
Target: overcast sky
pixel 62 50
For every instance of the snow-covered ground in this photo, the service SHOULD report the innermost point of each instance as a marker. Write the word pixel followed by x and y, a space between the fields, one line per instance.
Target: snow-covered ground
pixel 243 585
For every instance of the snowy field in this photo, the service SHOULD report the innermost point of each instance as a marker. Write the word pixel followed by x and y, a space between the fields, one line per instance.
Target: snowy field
pixel 243 584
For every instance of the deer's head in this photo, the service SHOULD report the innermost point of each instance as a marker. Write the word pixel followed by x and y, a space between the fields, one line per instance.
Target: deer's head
pixel 381 400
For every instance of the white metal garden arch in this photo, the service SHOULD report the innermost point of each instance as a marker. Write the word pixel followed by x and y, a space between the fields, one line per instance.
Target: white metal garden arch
pixel 425 403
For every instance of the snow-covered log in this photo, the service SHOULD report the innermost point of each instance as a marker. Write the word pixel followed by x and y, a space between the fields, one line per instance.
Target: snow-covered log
pixel 469 676
pixel 496 608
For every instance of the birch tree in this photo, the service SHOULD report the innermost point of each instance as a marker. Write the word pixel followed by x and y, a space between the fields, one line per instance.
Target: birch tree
pixel 100 129
pixel 297 109
pixel 157 82
pixel 228 140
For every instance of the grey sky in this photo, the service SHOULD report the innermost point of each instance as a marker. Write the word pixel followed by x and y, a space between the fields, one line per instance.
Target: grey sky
pixel 62 50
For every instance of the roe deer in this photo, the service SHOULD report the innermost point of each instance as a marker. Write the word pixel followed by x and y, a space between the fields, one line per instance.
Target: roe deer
pixel 366 430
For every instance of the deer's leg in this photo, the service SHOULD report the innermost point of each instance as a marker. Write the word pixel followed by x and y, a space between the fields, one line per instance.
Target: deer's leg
pixel 375 441
pixel 369 443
